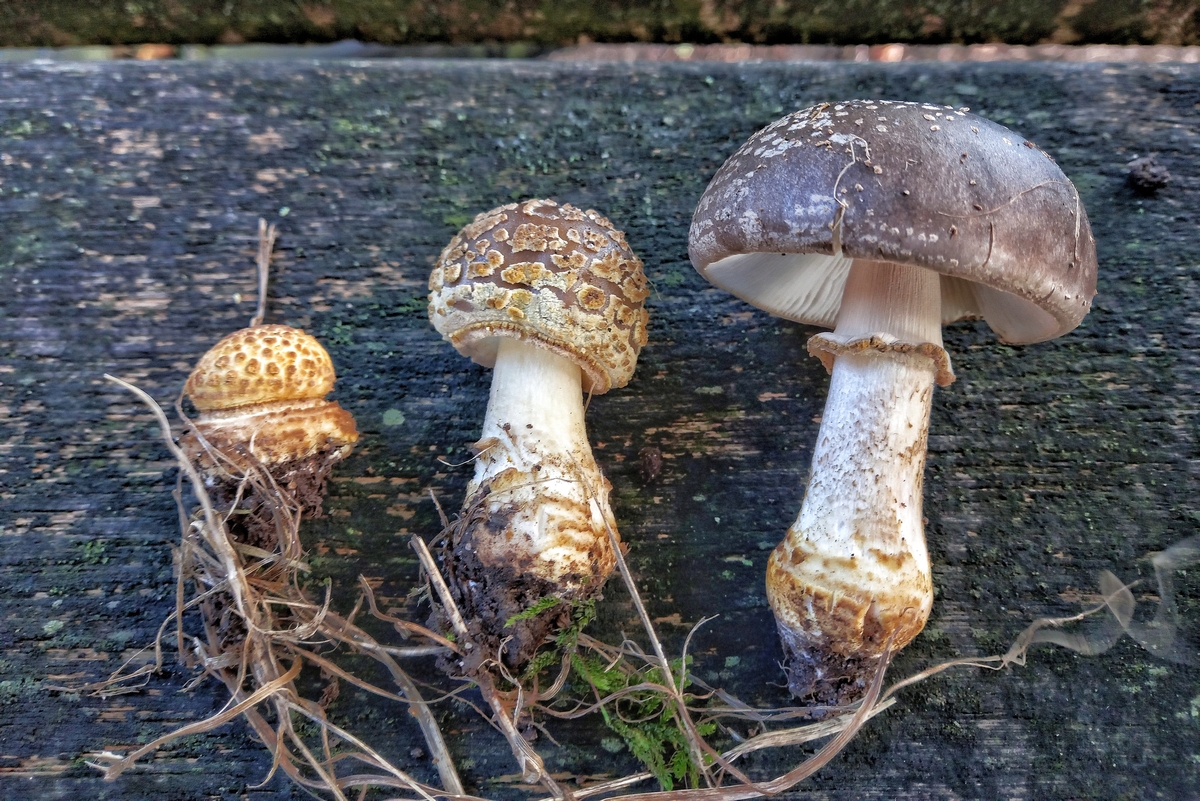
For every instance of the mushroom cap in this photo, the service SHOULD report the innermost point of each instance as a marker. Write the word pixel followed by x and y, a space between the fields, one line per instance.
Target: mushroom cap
pixel 263 364
pixel 911 183
pixel 550 274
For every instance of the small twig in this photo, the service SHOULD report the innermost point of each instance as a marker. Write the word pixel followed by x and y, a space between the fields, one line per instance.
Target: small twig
pixel 117 764
pixel 441 512
pixel 801 734
pixel 440 460
pixel 378 760
pixel 532 767
pixel 214 527
pixel 439 585
pixel 616 695
pixel 266 243
pixel 556 687
pixel 687 642
pixel 408 625
pixel 420 709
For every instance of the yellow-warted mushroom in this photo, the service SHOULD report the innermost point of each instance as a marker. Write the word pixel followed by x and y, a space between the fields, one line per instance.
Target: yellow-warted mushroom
pixel 551 298
pixel 884 220
pixel 260 397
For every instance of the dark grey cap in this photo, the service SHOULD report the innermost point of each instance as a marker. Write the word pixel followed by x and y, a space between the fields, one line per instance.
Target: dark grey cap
pixel 911 183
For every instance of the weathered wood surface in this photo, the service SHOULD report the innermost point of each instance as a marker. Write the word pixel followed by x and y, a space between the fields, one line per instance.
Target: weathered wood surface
pixel 129 194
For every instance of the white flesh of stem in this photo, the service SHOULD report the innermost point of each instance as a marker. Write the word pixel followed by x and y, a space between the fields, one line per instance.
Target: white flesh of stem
pixel 536 458
pixel 859 534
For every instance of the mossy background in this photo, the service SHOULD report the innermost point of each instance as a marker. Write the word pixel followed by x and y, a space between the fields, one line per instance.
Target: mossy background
pixel 43 23
pixel 129 199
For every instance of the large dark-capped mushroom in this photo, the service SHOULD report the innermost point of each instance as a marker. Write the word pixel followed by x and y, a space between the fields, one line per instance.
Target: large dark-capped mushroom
pixel 884 221
pixel 550 297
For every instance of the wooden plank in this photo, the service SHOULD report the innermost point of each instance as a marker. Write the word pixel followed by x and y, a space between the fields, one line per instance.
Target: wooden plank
pixel 129 196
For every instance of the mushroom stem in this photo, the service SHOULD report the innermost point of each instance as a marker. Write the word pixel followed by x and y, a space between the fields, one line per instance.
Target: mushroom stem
pixel 853 572
pixel 535 408
pixel 536 533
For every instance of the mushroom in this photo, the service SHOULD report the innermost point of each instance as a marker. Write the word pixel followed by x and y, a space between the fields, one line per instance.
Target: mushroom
pixel 883 221
pixel 551 298
pixel 260 397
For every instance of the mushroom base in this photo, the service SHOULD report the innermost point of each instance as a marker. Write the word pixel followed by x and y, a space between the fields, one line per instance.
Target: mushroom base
pixel 491 586
pixel 852 575
pixel 535 525
pixel 257 519
pixel 824 677
pixel 832 650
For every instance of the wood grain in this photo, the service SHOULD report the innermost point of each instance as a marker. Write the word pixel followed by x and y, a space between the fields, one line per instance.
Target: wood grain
pixel 129 198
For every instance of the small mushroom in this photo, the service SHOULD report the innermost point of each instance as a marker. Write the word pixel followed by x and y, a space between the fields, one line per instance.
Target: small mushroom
pixel 260 397
pixel 551 298
pixel 884 231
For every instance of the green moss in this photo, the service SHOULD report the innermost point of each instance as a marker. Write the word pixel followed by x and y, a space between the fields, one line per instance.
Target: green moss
pixel 543 605
pixel 13 690
pixel 645 719
pixel 673 279
pixel 94 552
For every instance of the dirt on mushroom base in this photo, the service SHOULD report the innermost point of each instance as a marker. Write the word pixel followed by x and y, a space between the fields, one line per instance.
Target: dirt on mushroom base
pixel 253 517
pixel 821 676
pixel 263 509
pixel 510 611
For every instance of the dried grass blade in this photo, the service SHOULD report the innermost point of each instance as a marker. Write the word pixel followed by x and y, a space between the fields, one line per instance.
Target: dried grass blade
pixel 802 734
pixel 376 759
pixel 443 592
pixel 214 528
pixel 266 243
pixel 412 696
pixel 407 625
pixel 696 744
pixel 113 770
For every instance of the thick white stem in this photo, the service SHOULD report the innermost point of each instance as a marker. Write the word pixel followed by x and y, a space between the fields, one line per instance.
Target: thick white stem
pixel 535 407
pixel 853 570
pixel 547 501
